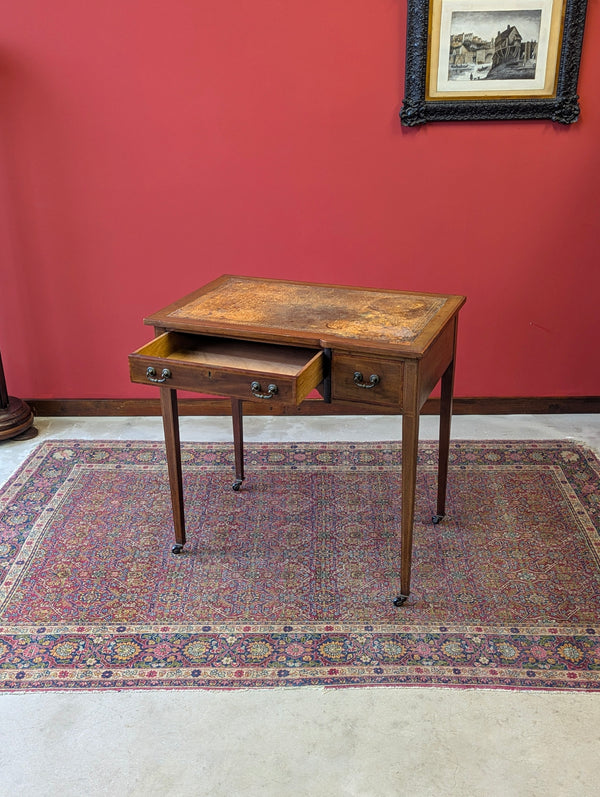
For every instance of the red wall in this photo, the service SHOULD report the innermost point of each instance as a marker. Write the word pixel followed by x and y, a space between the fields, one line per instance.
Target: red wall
pixel 147 147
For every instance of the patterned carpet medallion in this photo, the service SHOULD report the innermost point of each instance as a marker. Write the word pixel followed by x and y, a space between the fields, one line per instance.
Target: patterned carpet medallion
pixel 290 581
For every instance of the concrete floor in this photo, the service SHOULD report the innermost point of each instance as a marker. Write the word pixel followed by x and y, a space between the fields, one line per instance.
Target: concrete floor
pixel 307 741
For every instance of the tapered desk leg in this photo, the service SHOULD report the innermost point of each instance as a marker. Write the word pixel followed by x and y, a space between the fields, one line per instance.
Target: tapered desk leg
pixel 410 449
pixel 238 441
pixel 444 446
pixel 168 403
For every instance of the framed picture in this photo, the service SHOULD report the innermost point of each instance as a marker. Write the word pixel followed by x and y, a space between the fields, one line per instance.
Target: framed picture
pixel 492 59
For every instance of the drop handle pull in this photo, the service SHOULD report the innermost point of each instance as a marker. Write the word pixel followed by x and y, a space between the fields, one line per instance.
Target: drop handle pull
pixel 256 390
pixel 151 375
pixel 358 380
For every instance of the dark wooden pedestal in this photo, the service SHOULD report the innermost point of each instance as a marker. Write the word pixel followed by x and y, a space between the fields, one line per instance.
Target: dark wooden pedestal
pixel 16 418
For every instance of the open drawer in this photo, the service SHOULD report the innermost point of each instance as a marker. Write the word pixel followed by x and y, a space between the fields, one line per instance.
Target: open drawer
pixel 228 367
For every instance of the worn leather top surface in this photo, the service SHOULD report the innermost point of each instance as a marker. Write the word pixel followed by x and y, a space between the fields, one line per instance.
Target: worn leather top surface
pixel 389 316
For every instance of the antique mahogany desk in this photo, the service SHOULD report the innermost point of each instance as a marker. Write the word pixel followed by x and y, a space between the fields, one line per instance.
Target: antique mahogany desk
pixel 275 341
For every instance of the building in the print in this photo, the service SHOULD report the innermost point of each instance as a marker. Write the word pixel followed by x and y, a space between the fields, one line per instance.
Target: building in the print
pixel 509 48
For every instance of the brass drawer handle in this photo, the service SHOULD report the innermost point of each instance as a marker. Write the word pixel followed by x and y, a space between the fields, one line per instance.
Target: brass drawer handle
pixel 358 380
pixel 256 390
pixel 151 374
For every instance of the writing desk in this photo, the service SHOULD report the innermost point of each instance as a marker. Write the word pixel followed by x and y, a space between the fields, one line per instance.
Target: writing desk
pixel 275 341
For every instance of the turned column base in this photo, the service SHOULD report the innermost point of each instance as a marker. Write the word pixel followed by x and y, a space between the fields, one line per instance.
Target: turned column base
pixel 16 419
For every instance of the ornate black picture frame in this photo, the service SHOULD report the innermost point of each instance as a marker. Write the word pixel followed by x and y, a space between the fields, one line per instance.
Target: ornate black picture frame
pixel 450 59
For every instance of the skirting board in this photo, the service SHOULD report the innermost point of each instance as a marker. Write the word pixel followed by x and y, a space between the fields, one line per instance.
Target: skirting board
pixel 462 406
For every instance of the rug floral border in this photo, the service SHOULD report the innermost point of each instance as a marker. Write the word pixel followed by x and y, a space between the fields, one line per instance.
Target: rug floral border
pixel 242 655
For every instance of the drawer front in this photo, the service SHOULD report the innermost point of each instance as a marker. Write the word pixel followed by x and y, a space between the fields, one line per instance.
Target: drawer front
pixel 213 381
pixel 372 380
pixel 262 374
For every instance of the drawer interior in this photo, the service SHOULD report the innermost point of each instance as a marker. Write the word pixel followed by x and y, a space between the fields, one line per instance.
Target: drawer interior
pixel 230 354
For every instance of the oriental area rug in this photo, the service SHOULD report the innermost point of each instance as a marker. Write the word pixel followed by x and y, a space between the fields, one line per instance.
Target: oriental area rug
pixel 290 581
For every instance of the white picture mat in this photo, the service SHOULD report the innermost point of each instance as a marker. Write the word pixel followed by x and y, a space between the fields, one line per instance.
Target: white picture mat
pixel 494 7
